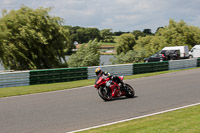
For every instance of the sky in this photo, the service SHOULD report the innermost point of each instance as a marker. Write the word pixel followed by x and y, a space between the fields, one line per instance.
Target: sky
pixel 118 15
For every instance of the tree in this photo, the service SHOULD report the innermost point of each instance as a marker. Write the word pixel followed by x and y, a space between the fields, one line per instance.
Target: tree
pixel 179 34
pixel 175 34
pixel 150 44
pixel 126 43
pixel 147 31
pixel 32 39
pixel 106 35
pixel 158 29
pixel 138 33
pixel 87 55
pixel 83 35
pixel 130 57
pixel 119 33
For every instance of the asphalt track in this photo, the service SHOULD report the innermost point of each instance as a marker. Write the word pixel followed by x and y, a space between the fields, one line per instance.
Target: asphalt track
pixel 68 110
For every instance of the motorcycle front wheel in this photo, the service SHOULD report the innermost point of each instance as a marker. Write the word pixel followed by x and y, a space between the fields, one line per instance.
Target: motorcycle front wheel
pixel 130 92
pixel 105 93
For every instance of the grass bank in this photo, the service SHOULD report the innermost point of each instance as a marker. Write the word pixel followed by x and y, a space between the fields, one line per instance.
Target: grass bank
pixel 24 90
pixel 185 120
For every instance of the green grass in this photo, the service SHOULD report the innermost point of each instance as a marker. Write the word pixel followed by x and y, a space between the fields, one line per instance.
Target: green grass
pixel 116 38
pixel 23 90
pixel 180 121
pixel 108 44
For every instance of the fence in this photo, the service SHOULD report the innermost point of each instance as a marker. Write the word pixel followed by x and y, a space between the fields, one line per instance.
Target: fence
pixel 9 79
pixel 182 64
pixel 125 69
pixel 198 62
pixel 57 75
pixel 150 67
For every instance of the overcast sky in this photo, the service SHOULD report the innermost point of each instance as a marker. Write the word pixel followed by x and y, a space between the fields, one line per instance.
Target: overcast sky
pixel 118 15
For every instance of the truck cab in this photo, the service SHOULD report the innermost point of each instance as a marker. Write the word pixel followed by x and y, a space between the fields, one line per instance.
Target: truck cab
pixel 195 52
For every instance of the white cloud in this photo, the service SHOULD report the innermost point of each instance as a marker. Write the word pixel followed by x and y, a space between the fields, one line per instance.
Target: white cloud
pixel 124 15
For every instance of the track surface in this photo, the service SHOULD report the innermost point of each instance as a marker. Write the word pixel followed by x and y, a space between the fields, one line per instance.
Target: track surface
pixel 63 111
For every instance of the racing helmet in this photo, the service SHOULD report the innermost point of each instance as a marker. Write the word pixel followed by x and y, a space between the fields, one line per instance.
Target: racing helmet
pixel 98 71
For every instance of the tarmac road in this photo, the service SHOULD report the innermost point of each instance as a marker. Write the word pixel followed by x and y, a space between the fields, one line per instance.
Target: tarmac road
pixel 67 110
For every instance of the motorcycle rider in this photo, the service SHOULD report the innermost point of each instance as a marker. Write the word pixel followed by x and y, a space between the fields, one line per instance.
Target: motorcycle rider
pixel 116 79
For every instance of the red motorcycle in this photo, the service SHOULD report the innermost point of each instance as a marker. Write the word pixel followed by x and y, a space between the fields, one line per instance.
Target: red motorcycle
pixel 108 89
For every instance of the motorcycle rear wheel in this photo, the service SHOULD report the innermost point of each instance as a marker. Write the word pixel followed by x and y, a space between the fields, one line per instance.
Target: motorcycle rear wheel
pixel 105 93
pixel 130 92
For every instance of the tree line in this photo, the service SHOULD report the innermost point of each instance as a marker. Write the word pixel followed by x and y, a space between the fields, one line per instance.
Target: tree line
pixel 33 39
pixel 84 35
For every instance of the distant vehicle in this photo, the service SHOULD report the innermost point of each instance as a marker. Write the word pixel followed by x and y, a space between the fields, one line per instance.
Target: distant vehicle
pixel 164 55
pixel 184 50
pixel 159 56
pixel 171 54
pixel 194 52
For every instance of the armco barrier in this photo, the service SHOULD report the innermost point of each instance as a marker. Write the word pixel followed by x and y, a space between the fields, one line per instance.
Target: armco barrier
pixel 11 79
pixel 150 67
pixel 57 75
pixel 124 69
pixel 182 64
pixel 198 62
pixel 22 78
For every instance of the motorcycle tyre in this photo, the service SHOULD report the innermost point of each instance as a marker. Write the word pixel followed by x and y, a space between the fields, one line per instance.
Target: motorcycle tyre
pixel 103 96
pixel 130 88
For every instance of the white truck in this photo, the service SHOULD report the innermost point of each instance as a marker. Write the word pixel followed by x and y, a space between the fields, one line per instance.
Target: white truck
pixel 184 50
pixel 195 52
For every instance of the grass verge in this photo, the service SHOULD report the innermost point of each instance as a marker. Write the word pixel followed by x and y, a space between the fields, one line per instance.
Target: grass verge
pixel 23 90
pixel 185 120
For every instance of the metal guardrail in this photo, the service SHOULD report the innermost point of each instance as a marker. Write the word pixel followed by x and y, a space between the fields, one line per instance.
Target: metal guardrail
pixel 122 69
pixel 22 78
pixel 198 62
pixel 150 67
pixel 57 75
pixel 11 79
pixel 182 64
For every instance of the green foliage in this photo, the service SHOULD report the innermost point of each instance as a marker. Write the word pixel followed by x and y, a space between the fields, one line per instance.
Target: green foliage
pixel 83 35
pixel 147 31
pixel 87 55
pixel 129 57
pixel 175 34
pixel 32 39
pixel 119 33
pixel 106 35
pixel 138 33
pixel 150 44
pixel 179 34
pixel 86 34
pixel 126 43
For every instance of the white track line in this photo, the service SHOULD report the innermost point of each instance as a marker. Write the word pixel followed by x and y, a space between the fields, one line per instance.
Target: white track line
pixel 134 118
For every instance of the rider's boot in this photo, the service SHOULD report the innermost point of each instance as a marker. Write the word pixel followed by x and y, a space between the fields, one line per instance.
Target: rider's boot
pixel 122 87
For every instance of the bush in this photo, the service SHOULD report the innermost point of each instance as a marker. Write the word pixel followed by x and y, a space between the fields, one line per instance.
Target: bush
pixel 129 57
pixel 87 55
